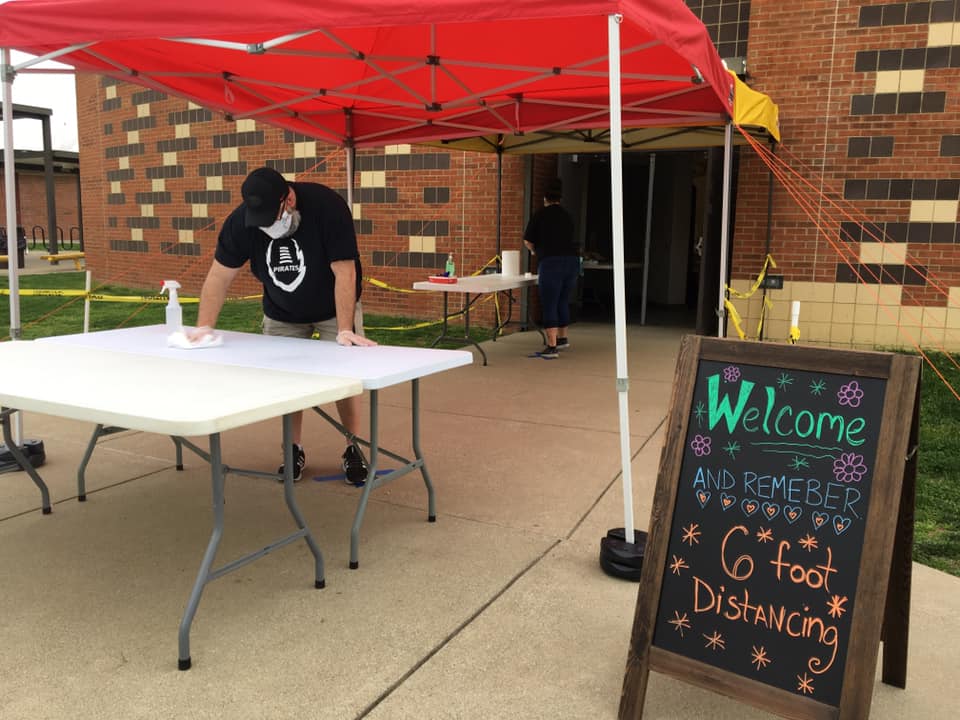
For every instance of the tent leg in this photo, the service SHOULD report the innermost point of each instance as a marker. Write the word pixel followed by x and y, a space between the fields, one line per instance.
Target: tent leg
pixel 725 228
pixel 646 242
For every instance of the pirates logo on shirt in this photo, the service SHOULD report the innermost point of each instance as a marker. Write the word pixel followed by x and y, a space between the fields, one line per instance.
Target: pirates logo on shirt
pixel 285 263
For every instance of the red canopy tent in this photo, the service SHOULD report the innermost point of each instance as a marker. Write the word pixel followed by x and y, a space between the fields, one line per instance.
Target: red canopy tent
pixel 392 71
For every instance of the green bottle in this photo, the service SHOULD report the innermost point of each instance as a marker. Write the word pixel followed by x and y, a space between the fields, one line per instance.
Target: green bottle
pixel 450 268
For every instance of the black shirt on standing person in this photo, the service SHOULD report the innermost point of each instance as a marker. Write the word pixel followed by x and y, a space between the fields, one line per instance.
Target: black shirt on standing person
pixel 551 232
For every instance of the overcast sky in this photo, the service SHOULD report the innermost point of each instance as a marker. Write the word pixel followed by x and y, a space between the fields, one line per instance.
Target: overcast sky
pixel 56 92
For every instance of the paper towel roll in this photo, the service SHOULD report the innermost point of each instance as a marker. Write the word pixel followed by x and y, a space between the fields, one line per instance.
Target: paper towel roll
pixel 511 262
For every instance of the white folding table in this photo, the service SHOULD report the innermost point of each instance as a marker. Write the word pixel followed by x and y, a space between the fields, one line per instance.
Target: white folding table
pixel 374 367
pixel 174 395
pixel 476 285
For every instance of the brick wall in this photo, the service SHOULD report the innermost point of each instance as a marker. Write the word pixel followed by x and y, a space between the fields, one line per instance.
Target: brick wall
pixel 31 194
pixel 160 174
pixel 869 96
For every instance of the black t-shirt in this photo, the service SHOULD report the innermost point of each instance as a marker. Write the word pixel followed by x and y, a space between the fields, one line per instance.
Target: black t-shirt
pixel 551 232
pixel 298 284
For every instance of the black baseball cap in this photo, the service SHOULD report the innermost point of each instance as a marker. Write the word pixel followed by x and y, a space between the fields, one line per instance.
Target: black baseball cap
pixel 263 191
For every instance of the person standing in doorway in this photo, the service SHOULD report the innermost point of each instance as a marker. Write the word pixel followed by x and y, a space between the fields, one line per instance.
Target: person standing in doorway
pixel 549 236
pixel 300 242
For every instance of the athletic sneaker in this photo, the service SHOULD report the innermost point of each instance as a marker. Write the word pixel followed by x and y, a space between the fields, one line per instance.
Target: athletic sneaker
pixel 354 467
pixel 563 343
pixel 299 460
pixel 549 353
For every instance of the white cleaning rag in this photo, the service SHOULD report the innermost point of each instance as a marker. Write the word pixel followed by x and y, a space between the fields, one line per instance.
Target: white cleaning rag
pixel 180 340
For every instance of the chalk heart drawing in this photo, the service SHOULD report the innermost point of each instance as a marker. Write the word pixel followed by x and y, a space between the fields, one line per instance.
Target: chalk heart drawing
pixel 792 513
pixel 703 497
pixel 770 510
pixel 819 519
pixel 727 501
pixel 840 524
pixel 749 507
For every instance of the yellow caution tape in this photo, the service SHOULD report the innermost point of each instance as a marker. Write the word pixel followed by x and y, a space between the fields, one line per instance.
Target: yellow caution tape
pixel 794 334
pixel 769 262
pixel 734 316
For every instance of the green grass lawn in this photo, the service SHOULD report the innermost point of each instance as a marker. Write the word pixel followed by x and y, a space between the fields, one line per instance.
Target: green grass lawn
pixel 937 540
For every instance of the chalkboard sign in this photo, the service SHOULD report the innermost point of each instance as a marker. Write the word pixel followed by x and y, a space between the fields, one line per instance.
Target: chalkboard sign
pixel 777 503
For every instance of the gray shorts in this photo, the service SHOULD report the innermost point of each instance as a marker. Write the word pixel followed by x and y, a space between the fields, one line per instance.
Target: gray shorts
pixel 325 329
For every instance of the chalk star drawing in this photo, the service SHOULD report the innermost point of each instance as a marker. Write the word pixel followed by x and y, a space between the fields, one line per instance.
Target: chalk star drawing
pixel 784 381
pixel 760 658
pixel 798 463
pixel 805 684
pixel 700 411
pixel 691 535
pixel 836 606
pixel 732 448
pixel 765 535
pixel 809 543
pixel 715 641
pixel 817 387
pixel 680 622
pixel 677 565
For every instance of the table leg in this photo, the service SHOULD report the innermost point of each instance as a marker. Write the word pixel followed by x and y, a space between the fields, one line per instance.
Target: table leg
pixel 22 460
pixel 415 424
pixel 98 433
pixel 203 576
pixel 288 495
pixel 369 484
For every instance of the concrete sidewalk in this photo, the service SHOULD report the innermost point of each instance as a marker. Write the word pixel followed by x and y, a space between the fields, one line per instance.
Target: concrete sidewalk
pixel 497 610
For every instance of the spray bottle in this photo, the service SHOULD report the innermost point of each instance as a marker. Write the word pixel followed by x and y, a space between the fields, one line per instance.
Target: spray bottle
pixel 174 311
pixel 450 268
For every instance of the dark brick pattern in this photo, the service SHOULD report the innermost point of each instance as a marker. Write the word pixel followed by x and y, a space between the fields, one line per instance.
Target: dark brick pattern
pixel 116 199
pixel 923 58
pixel 418 161
pixel 112 221
pixel 950 146
pixel 409 259
pixel 436 195
pixel 124 150
pixel 298 165
pixel 898 189
pixel 110 104
pixel 901 232
pixel 145 223
pixel 222 168
pixel 877 273
pixel 189 116
pixel 432 228
pixel 877 146
pixel 373 195
pixel 909 13
pixel 177 144
pixel 193 223
pixel 239 139
pixel 120 175
pixel 164 171
pixel 727 22
pixel 108 128
pixel 363 227
pixel 147 96
pixel 153 198
pixel 137 246
pixel 211 197
pixel 187 249
pixel 898 103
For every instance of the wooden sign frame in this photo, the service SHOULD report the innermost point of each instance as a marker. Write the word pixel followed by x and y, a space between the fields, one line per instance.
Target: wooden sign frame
pixel 881 610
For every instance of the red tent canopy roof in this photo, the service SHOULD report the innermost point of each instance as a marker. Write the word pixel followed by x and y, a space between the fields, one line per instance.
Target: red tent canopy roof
pixel 386 71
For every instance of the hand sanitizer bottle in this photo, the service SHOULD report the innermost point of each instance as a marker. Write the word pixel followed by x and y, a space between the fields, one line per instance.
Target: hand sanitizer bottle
pixel 174 311
pixel 450 268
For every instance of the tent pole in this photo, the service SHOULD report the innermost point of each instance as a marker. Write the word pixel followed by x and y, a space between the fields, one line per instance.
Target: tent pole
pixel 620 312
pixel 725 227
pixel 10 196
pixel 646 242
pixel 499 202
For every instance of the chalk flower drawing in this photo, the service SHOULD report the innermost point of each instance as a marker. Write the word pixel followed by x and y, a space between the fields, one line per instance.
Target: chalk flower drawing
pixel 678 564
pixel 836 606
pixel 784 381
pixel 850 394
pixel 817 387
pixel 798 463
pixel 700 445
pixel 732 448
pixel 760 657
pixel 805 684
pixel 849 468
pixel 680 622
pixel 731 373
pixel 715 641
pixel 691 534
pixel 809 543
pixel 765 535
pixel 701 412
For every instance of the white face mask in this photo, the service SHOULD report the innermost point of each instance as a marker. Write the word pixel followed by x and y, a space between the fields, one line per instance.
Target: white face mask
pixel 284 227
